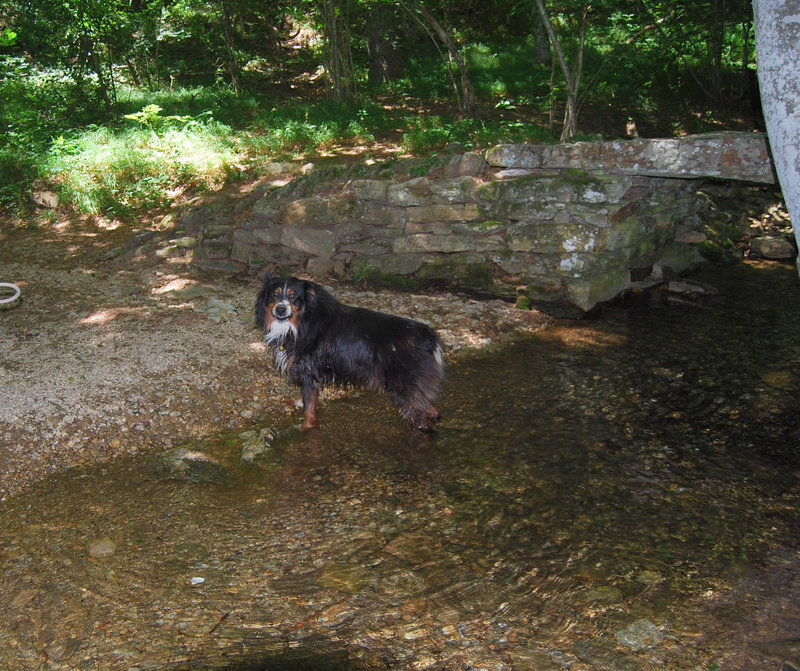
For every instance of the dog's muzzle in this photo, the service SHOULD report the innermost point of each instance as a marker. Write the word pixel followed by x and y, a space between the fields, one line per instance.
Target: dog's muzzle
pixel 282 311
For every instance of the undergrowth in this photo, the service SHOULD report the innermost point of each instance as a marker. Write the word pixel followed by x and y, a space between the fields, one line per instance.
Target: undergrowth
pixel 122 170
pixel 152 152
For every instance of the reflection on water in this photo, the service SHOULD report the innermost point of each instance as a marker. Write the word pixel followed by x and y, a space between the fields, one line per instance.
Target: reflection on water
pixel 613 494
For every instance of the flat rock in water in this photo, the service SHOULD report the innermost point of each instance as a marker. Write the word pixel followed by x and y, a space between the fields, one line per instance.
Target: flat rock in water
pixel 691 287
pixel 101 547
pixel 190 466
pixel 255 443
pixel 639 635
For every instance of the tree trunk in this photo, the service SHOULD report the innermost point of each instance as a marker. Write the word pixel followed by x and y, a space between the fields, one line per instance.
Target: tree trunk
pixel 715 45
pixel 541 45
pixel 572 77
pixel 777 26
pixel 133 74
pixel 748 83
pixel 227 29
pixel 385 62
pixel 337 51
pixel 467 101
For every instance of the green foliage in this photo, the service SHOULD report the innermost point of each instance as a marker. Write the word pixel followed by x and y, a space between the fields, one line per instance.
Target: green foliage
pixel 120 171
pixel 124 103
pixel 296 129
pixel 81 37
pixel 7 37
pixel 150 116
pixel 16 174
pixel 424 77
pixel 508 71
pixel 498 70
pixel 429 133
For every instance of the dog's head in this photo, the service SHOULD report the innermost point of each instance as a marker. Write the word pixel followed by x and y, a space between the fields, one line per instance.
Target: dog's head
pixel 281 305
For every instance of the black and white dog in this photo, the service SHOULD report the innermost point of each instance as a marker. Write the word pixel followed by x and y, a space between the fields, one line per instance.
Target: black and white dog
pixel 317 340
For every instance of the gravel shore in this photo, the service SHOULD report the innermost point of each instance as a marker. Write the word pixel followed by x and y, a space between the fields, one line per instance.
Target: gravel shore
pixel 105 357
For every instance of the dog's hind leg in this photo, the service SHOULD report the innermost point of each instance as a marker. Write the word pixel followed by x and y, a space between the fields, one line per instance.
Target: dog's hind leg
pixel 310 391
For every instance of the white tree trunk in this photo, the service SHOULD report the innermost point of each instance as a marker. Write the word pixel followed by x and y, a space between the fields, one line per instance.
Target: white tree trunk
pixel 777 24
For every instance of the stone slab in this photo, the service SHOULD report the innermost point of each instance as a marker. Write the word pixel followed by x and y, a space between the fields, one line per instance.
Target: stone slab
pixel 729 155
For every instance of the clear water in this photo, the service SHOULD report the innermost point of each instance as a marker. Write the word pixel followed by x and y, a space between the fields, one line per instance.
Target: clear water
pixel 615 493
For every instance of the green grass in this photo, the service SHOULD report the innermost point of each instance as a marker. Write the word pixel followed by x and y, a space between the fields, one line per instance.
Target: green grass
pixel 220 101
pixel 160 145
pixel 309 128
pixel 425 134
pixel 145 159
pixel 123 170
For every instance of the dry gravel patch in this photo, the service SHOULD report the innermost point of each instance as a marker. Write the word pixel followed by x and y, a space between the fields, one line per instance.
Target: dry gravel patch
pixel 102 358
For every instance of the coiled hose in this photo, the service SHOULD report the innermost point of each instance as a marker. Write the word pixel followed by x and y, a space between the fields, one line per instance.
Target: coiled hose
pixel 14 288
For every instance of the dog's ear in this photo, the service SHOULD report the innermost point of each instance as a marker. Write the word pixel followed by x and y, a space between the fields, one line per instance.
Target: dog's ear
pixel 261 302
pixel 310 294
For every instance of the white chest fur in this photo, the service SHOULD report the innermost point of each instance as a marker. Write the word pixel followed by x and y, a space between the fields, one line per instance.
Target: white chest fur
pixel 275 338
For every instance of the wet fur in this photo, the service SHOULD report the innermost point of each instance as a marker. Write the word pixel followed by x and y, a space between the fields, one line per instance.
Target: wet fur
pixel 317 341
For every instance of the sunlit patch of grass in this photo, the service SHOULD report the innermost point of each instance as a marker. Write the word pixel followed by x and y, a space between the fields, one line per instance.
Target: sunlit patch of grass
pixel 119 171
pixel 198 101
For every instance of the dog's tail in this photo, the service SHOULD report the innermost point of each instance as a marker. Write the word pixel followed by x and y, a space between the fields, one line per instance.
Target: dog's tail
pixel 416 398
pixel 438 354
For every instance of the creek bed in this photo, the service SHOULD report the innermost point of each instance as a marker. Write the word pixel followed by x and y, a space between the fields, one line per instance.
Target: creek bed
pixel 613 493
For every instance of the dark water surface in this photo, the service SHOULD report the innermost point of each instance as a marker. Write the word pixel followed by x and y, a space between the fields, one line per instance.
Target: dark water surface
pixel 616 493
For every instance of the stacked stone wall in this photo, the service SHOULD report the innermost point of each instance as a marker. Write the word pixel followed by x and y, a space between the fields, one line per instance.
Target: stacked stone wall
pixel 566 222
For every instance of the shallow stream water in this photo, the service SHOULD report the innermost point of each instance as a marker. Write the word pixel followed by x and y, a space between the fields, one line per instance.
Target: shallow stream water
pixel 614 493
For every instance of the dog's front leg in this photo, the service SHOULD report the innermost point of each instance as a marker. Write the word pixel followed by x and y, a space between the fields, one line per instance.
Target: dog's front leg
pixel 310 391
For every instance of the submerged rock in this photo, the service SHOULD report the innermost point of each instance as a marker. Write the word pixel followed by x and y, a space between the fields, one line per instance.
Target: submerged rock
pixel 689 292
pixel 255 443
pixel 639 635
pixel 101 547
pixel 190 466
